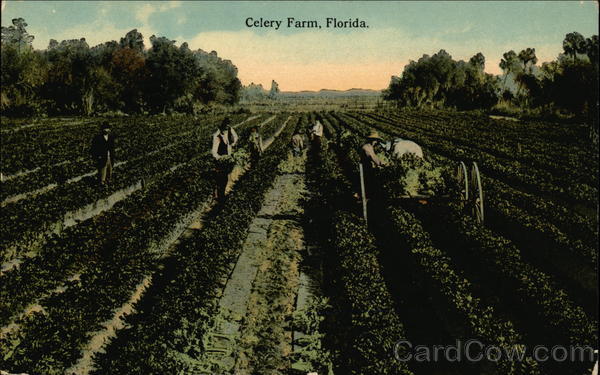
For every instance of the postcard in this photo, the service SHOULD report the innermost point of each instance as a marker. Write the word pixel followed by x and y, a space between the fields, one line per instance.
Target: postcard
pixel 299 187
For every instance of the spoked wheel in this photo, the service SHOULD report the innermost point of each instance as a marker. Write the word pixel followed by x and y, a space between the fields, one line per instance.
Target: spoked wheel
pixel 463 181
pixel 477 193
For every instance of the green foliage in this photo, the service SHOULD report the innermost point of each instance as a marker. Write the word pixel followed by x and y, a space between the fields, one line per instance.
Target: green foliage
pixel 369 326
pixel 566 84
pixel 532 168
pixel 481 321
pixel 486 254
pixel 16 35
pixel 375 325
pixel 169 143
pixel 185 289
pixel 573 44
pixel 23 74
pixel 71 78
pixel 438 81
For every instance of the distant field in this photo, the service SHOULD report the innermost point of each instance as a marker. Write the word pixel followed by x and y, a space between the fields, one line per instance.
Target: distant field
pixel 316 103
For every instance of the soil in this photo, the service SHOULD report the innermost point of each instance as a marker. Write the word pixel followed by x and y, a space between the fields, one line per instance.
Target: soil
pixel 253 332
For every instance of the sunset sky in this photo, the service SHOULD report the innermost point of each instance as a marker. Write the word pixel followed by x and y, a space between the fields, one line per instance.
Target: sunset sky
pixel 312 59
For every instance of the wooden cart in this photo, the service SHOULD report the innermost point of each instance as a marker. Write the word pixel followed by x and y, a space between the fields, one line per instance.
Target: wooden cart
pixel 471 191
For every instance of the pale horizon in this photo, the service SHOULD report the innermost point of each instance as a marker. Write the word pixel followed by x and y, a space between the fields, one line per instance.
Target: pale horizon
pixel 311 58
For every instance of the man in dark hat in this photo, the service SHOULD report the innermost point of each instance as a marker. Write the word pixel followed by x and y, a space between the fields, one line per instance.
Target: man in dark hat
pixel 103 153
pixel 370 161
pixel 367 152
pixel 222 147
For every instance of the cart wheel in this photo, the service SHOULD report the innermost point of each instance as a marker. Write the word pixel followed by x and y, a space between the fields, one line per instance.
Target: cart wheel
pixel 477 190
pixel 463 181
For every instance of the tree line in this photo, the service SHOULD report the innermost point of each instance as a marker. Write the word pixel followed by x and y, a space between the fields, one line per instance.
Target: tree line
pixel 568 84
pixel 70 77
pixel 254 92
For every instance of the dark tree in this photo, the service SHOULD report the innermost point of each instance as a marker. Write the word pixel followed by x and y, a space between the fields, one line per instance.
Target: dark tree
pixel 573 44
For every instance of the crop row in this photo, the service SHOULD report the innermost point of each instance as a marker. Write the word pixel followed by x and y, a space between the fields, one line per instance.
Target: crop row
pixel 574 225
pixel 445 281
pixel 150 138
pixel 499 257
pixel 15 127
pixel 82 246
pixel 562 243
pixel 529 145
pixel 550 241
pixel 165 334
pixel 79 246
pixel 369 326
pixel 51 341
pixel 534 135
pixel 557 161
pixel 507 271
pixel 42 150
pixel 481 321
pixel 108 282
pixel 510 171
pixel 26 222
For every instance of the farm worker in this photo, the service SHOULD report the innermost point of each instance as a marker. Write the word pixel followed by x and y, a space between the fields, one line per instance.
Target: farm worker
pixel 368 158
pixel 103 153
pixel 297 144
pixel 399 147
pixel 256 144
pixel 222 148
pixel 370 161
pixel 317 133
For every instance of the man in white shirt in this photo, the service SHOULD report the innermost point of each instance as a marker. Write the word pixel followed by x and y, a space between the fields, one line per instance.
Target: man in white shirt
pixel 222 147
pixel 223 140
pixel 399 147
pixel 318 129
pixel 317 133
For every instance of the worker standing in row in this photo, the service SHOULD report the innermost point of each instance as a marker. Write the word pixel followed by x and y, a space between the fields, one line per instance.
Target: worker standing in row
pixel 103 153
pixel 223 142
pixel 256 144
pixel 297 144
pixel 399 147
pixel 370 161
pixel 316 134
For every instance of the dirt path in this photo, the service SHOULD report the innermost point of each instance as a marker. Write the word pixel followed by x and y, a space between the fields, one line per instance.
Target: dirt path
pixel 265 235
pixel 254 330
pixel 270 140
pixel 495 117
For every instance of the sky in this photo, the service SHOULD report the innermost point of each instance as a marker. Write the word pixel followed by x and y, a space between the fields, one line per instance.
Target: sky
pixel 318 58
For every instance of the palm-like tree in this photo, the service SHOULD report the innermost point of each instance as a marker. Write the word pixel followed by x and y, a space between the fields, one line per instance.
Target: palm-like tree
pixel 591 45
pixel 528 56
pixel 17 34
pixel 507 64
pixel 573 44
